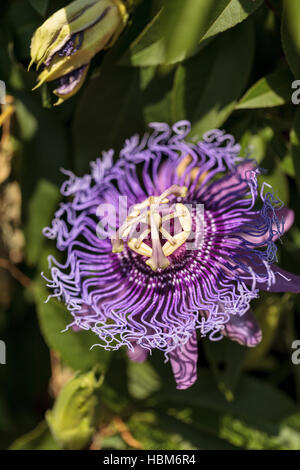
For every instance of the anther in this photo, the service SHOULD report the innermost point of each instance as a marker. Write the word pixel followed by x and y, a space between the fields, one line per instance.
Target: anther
pixel 147 212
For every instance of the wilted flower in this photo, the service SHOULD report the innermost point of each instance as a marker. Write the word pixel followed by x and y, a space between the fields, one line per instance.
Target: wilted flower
pixel 193 252
pixel 67 41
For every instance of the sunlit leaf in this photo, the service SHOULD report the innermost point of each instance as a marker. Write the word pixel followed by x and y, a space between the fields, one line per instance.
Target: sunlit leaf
pixel 179 28
pixel 290 33
pixel 272 90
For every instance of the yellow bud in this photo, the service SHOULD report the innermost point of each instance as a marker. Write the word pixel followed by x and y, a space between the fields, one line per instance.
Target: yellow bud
pixel 70 38
pixel 73 418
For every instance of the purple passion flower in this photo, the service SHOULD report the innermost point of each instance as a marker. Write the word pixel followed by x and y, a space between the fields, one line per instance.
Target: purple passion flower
pixel 195 247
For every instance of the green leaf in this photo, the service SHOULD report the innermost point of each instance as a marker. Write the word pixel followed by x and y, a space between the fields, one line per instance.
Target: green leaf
pixel 287 165
pixel 207 87
pixel 186 23
pixel 235 12
pixel 179 28
pixel 255 141
pixel 272 90
pixel 41 208
pixel 295 141
pixel 38 439
pixel 73 347
pixel 40 6
pixel 290 34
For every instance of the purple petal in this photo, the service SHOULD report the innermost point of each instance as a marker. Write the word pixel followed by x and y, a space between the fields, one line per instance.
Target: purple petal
pixel 244 329
pixel 138 354
pixel 286 214
pixel 235 181
pixel 284 281
pixel 184 363
pixel 271 278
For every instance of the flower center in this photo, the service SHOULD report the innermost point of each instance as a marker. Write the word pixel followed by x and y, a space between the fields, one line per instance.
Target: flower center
pixel 147 229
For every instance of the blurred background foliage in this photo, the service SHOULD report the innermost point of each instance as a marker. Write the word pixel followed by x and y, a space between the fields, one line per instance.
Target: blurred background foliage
pixel 218 63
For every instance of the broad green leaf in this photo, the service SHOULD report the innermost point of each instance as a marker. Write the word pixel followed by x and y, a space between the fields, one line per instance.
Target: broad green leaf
pixel 290 33
pixel 178 29
pixel 235 12
pixel 295 142
pixel 207 87
pixel 261 141
pixel 42 205
pixel 73 347
pixel 38 439
pixel 255 140
pixel 40 6
pixel 185 24
pixel 272 90
pixel 287 165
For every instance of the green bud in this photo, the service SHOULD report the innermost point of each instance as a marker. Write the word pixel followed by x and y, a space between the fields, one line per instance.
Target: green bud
pixel 67 41
pixel 74 415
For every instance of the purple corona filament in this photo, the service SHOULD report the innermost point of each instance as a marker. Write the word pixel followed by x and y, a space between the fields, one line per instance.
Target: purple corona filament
pixel 143 294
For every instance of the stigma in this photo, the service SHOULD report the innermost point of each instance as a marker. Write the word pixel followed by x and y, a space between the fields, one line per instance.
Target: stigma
pixel 147 228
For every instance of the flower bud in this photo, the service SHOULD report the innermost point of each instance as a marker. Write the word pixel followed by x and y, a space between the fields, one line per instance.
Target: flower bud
pixel 67 41
pixel 73 417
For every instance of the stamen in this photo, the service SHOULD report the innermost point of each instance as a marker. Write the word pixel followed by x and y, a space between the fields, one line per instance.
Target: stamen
pixel 142 237
pixel 147 212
